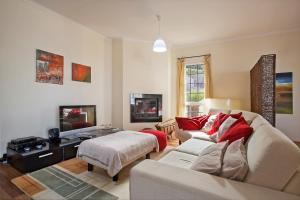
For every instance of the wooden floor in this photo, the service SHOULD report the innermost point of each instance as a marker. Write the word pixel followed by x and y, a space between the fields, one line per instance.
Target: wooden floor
pixel 7 189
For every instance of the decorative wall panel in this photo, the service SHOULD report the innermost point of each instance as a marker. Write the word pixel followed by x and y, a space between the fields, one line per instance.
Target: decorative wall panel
pixel 263 77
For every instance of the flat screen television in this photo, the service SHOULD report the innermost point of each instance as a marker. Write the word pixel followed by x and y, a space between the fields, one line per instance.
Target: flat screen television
pixel 77 117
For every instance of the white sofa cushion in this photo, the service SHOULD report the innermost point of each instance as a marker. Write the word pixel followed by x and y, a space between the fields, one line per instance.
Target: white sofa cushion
pixel 193 146
pixel 210 159
pixel 200 135
pixel 178 159
pixel 272 158
pixel 235 164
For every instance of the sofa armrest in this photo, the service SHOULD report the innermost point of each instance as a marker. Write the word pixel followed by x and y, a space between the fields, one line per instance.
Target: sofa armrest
pixel 181 134
pixel 152 180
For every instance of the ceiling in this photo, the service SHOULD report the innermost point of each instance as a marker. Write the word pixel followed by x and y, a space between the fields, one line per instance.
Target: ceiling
pixel 183 21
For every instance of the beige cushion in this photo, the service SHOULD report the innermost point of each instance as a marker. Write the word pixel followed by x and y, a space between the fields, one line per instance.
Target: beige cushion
pixel 193 146
pixel 293 185
pixel 272 158
pixel 179 159
pixel 210 159
pixel 222 129
pixel 235 164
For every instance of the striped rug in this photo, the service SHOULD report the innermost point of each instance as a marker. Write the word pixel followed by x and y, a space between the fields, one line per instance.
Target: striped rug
pixel 55 183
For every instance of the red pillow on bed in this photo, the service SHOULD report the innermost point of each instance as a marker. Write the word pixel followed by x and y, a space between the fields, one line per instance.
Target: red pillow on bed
pixel 195 123
pixel 220 119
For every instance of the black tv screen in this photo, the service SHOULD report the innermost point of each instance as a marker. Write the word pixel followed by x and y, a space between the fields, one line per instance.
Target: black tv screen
pixel 77 117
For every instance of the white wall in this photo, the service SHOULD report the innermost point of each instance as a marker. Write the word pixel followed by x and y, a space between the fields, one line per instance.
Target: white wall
pixel 30 108
pixel 232 61
pixel 117 83
pixel 144 72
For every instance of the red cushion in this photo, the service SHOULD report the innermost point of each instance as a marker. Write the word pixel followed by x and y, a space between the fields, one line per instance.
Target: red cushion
pixel 203 120
pixel 237 130
pixel 220 119
pixel 161 137
pixel 236 115
pixel 195 123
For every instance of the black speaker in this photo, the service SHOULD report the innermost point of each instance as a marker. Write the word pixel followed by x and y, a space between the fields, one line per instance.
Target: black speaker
pixel 53 134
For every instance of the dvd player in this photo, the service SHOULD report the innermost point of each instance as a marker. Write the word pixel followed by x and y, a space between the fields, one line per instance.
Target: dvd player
pixel 24 140
pixel 27 143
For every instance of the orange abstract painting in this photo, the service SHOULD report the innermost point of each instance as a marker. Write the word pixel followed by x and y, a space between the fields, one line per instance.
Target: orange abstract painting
pixel 49 67
pixel 81 73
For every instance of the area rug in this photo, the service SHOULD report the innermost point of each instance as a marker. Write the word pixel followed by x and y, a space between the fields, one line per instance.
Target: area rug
pixel 54 183
pixel 71 180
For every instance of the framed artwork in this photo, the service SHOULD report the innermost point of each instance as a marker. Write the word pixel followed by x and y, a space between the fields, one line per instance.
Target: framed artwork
pixel 49 67
pixel 81 73
pixel 284 93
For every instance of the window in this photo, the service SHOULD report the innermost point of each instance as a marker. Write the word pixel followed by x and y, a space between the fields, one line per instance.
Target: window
pixel 194 89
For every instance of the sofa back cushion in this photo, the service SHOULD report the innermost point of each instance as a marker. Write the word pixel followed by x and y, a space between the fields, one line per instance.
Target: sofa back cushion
pixel 215 111
pixel 258 121
pixel 272 158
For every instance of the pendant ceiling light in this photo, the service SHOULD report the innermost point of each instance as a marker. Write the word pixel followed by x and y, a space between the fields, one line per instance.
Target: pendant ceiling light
pixel 159 44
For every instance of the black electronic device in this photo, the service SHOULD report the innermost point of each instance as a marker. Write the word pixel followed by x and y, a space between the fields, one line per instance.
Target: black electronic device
pixel 53 134
pixel 23 140
pixel 77 117
pixel 26 144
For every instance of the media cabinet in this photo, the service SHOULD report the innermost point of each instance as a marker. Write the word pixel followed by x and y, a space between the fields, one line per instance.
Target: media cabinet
pixel 52 152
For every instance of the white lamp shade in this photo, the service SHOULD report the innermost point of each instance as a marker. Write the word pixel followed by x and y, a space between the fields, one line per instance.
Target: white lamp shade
pixel 159 45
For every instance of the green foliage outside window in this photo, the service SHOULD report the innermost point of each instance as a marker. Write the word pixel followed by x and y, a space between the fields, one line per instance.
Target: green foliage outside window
pixel 194 97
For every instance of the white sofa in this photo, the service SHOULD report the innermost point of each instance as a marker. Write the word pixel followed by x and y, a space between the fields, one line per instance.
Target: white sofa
pixel 274 171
